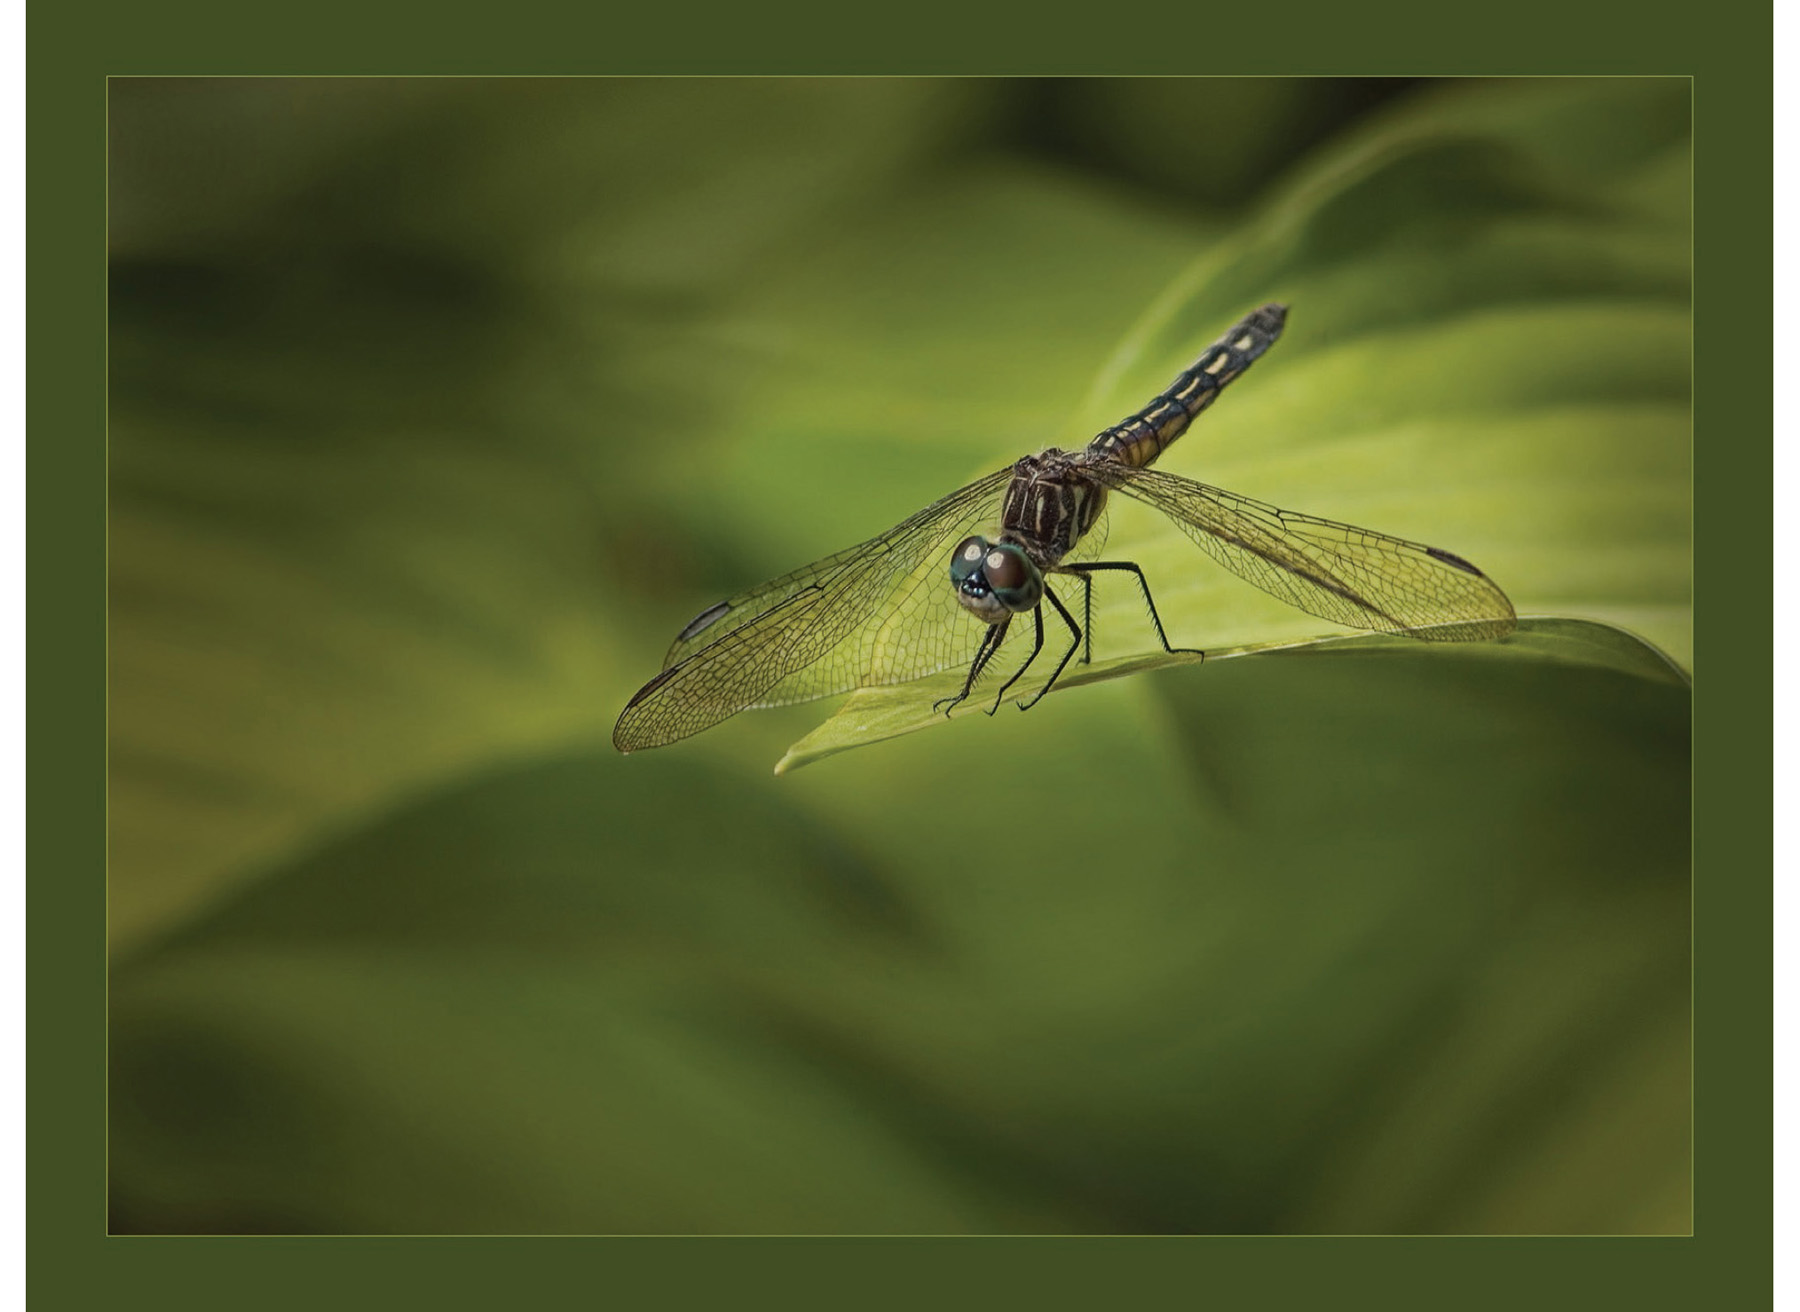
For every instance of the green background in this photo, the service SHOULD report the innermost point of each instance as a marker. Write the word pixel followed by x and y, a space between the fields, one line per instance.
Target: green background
pixel 438 406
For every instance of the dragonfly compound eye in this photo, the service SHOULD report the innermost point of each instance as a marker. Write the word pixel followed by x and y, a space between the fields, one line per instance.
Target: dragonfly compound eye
pixel 965 562
pixel 1014 579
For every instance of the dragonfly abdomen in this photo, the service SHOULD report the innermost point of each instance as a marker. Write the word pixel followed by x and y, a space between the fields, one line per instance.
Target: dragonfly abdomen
pixel 1141 438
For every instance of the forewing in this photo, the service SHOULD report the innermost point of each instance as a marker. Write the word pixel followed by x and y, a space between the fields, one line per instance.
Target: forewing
pixel 1349 575
pixel 879 613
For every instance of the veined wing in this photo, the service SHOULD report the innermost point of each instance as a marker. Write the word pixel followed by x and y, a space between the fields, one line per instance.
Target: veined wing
pixel 879 613
pixel 1339 572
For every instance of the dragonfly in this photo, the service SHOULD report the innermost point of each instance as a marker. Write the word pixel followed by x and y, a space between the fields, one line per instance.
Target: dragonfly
pixel 945 588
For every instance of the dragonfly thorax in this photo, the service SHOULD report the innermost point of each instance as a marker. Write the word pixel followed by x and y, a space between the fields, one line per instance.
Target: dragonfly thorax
pixel 995 579
pixel 1051 503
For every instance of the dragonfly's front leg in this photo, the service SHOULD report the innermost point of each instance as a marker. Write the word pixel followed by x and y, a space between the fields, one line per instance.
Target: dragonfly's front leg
pixel 1074 647
pixel 1037 614
pixel 990 643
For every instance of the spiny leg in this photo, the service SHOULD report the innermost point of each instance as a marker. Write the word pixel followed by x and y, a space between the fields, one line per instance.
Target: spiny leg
pixel 1073 648
pixel 1144 587
pixel 1037 614
pixel 997 633
pixel 1087 618
pixel 990 643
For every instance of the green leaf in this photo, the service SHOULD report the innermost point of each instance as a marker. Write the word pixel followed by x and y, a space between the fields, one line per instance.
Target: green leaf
pixel 871 715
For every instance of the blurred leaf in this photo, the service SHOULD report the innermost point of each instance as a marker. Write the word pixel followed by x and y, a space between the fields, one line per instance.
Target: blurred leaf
pixel 873 715
pixel 1161 1005
pixel 372 485
pixel 1216 140
pixel 452 944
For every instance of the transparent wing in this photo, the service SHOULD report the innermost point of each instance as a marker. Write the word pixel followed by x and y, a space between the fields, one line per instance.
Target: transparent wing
pixel 1339 572
pixel 879 613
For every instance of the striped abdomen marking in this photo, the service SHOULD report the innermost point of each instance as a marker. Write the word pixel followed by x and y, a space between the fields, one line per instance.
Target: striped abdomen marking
pixel 1144 436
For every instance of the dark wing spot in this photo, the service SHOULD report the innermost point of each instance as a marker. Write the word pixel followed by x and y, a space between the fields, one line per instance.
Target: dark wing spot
pixel 1457 561
pixel 701 620
pixel 652 686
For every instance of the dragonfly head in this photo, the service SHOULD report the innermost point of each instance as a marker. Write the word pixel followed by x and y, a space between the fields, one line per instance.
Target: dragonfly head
pixel 995 579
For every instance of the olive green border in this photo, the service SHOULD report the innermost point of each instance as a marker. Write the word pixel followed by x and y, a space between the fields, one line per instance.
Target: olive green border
pixel 1724 46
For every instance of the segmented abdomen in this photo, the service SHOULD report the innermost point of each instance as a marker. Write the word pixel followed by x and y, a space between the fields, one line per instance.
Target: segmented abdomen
pixel 1145 435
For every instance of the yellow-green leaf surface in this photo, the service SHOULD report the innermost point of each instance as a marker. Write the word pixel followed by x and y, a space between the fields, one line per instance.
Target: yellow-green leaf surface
pixel 438 408
pixel 874 714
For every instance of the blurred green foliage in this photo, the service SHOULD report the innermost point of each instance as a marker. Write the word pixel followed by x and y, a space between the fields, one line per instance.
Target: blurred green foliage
pixel 438 406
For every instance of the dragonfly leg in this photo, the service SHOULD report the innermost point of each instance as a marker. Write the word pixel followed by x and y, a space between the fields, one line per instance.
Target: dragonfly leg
pixel 1037 615
pixel 1087 619
pixel 1074 646
pixel 1143 586
pixel 990 643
